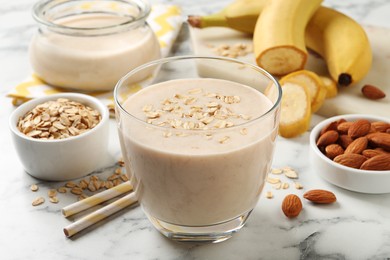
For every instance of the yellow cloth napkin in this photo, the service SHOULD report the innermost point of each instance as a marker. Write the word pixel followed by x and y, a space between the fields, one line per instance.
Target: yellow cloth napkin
pixel 165 21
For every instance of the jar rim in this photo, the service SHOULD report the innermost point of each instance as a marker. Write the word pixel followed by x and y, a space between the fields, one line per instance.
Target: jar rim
pixel 41 11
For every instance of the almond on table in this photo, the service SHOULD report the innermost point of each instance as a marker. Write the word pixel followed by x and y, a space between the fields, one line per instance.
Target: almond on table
pixel 372 92
pixel 291 206
pixel 319 196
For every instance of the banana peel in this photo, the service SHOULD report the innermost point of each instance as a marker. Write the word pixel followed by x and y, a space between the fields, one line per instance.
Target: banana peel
pixel 330 85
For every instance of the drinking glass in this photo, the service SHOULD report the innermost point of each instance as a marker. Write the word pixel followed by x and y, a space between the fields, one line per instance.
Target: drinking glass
pixel 197 138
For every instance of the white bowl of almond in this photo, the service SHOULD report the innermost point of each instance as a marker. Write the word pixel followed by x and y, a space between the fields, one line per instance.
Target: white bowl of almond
pixel 60 137
pixel 353 152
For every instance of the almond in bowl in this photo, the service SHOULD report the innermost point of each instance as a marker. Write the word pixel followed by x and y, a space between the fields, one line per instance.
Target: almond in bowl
pixel 353 152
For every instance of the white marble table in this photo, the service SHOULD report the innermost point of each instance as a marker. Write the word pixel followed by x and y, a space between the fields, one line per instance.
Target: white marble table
pixel 356 227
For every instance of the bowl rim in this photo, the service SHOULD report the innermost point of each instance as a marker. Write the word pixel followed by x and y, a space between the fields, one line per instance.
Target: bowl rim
pixel 317 128
pixel 79 97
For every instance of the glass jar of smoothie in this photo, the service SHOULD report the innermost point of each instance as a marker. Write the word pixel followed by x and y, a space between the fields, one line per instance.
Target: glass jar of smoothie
pixel 90 45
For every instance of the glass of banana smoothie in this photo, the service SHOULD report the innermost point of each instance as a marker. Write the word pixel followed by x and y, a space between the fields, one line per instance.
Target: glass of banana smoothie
pixel 89 45
pixel 197 140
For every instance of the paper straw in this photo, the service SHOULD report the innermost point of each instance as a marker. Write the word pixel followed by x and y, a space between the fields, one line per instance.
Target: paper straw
pixel 97 199
pixel 100 214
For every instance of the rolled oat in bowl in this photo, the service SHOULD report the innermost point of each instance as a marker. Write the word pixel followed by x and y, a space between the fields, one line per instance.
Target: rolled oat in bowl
pixel 58 119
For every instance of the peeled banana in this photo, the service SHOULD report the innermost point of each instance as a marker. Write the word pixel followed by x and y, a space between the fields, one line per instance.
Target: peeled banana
pixel 279 36
pixel 342 42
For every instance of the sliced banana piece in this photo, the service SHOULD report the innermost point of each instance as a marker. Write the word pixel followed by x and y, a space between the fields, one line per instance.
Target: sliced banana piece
pixel 314 83
pixel 295 109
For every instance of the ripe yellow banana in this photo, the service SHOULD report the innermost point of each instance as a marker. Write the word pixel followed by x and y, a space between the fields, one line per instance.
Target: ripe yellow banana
pixel 336 37
pixel 279 36
pixel 240 15
pixel 342 42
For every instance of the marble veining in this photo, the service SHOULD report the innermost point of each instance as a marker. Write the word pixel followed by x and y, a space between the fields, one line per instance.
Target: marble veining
pixel 356 227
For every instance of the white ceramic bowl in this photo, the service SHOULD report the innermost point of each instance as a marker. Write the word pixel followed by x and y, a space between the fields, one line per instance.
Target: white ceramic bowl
pixel 62 159
pixel 364 181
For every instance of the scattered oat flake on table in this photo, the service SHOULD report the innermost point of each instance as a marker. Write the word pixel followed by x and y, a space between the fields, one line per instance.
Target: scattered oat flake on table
pixel 277 185
pixel 38 201
pixel 273 180
pixel 53 199
pixel 82 196
pixel 285 186
pixel 34 187
pixel 83 184
pixel 124 177
pixel 269 195
pixel 291 174
pixel 298 186
pixel 108 184
pixel 276 171
pixel 76 191
pixel 62 189
pixel 51 193
pixel 70 184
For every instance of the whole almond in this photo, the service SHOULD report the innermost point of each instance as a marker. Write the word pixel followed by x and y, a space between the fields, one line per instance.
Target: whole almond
pixel 372 92
pixel 333 150
pixel 377 163
pixel 343 127
pixel 372 152
pixel 345 141
pixel 379 139
pixel 350 160
pixel 330 126
pixel 341 120
pixel 358 145
pixel 291 206
pixel 329 137
pixel 372 130
pixel 359 128
pixel 380 126
pixel 320 196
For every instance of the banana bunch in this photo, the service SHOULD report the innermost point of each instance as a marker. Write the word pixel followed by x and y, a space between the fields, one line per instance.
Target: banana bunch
pixel 283 28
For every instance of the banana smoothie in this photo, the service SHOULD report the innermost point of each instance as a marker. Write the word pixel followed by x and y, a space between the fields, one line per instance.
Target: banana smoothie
pixel 197 150
pixel 91 62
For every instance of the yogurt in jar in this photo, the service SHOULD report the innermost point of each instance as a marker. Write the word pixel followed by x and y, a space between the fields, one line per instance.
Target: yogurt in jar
pixel 66 54
pixel 198 149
